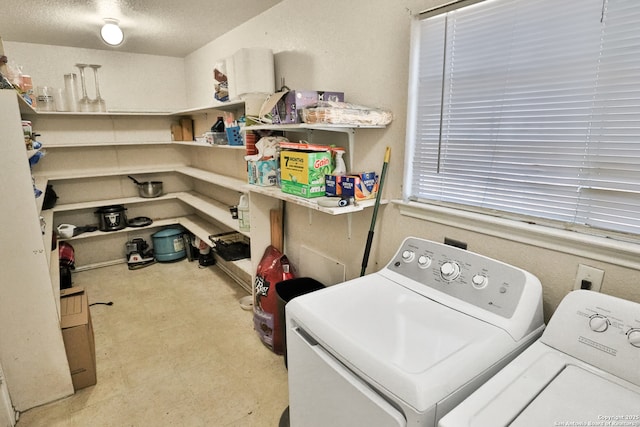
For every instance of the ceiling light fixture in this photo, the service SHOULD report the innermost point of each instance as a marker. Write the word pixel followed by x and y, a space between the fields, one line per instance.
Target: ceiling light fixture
pixel 111 32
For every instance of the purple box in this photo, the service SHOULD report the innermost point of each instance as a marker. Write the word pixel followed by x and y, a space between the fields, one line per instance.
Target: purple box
pixel 287 109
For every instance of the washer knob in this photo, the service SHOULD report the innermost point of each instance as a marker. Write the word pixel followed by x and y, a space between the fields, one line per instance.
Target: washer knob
pixel 450 271
pixel 424 261
pixel 407 255
pixel 479 281
pixel 598 323
pixel 634 337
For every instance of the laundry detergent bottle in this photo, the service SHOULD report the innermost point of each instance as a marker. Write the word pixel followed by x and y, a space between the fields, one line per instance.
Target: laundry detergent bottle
pixel 243 213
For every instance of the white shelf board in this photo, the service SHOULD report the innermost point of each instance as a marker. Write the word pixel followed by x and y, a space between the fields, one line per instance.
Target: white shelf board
pixel 214 178
pixel 276 193
pixel 199 227
pixel 212 208
pixel 102 114
pixel 105 144
pixel 67 174
pixel 98 233
pixel 206 145
pixel 203 230
pixel 300 127
pixel 121 201
pixel 216 106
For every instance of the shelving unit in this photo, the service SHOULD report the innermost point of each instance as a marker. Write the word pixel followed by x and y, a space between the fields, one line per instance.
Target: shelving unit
pixel 30 338
pixel 214 178
pixel 349 130
pixel 211 108
pixel 212 216
pixel 312 204
pixel 209 216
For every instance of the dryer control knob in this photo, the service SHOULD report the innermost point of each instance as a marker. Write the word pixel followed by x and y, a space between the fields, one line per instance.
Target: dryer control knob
pixel 634 337
pixel 598 323
pixel 408 256
pixel 479 281
pixel 450 271
pixel 424 261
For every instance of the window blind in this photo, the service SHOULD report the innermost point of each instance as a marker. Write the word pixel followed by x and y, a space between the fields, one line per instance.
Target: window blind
pixel 532 108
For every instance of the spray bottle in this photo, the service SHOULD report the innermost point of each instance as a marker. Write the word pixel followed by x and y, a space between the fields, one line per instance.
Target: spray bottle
pixel 341 168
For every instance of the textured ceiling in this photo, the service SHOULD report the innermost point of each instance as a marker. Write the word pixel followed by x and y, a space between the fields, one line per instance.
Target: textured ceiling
pixel 157 27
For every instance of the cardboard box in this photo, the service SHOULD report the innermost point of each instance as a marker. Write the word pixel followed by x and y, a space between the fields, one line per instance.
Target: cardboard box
pixel 77 333
pixel 187 129
pixel 263 172
pixel 302 173
pixel 176 132
pixel 332 185
pixel 288 107
pixel 360 186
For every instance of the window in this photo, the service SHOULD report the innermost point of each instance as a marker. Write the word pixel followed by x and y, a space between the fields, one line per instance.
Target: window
pixel 530 108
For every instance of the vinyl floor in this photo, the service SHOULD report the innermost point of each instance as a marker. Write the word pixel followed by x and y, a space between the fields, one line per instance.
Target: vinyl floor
pixel 174 349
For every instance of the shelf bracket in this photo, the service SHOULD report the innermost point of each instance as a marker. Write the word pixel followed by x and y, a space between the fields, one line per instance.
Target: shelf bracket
pixel 351 134
pixel 349 215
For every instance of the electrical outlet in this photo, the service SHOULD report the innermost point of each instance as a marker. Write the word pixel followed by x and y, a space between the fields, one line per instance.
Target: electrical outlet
pixel 588 278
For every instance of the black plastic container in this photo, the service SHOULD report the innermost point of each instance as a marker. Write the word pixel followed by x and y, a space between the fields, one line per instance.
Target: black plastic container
pixel 288 290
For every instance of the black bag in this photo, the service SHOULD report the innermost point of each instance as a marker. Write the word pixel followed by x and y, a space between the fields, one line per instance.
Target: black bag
pixel 50 198
pixel 65 277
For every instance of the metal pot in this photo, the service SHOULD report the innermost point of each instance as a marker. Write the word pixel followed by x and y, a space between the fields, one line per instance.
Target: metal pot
pixel 148 189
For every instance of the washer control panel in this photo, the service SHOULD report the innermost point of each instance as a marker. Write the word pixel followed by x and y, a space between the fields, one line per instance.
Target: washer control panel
pixel 599 329
pixel 484 282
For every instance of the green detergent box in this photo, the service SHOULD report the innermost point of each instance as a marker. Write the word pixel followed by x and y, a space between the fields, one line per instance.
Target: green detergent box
pixel 302 173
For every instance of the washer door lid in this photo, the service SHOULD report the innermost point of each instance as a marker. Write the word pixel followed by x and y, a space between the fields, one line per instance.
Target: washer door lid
pixel 417 349
pixel 582 397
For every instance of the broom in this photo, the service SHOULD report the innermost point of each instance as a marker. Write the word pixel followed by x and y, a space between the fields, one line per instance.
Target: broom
pixel 367 248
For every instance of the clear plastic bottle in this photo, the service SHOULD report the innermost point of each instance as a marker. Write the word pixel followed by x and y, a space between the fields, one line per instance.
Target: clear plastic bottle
pixel 243 213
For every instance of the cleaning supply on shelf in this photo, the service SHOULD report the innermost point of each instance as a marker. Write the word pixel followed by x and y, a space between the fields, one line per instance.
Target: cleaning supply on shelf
pixel 340 168
pixel 333 180
pixel 218 126
pixel 243 213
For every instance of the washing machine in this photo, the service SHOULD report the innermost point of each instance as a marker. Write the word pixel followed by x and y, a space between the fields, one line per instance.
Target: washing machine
pixel 584 371
pixel 404 345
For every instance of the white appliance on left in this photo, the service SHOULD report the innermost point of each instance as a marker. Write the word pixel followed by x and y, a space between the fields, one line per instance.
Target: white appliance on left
pixel 7 413
pixel 403 346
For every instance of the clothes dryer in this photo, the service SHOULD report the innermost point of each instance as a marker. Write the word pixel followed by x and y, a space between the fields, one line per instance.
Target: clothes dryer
pixel 584 371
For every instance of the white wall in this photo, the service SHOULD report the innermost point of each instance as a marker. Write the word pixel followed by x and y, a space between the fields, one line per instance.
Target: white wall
pixel 358 47
pixel 127 81
pixel 361 47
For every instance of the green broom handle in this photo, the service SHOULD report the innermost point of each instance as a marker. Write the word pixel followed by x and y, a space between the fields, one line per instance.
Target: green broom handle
pixel 367 248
